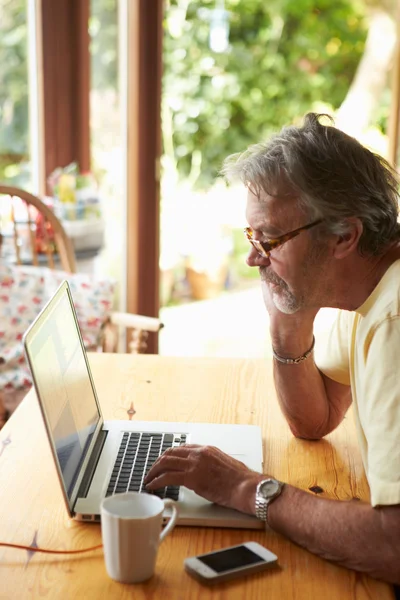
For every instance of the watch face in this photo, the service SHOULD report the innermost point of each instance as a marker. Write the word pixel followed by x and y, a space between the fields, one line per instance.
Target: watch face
pixel 269 488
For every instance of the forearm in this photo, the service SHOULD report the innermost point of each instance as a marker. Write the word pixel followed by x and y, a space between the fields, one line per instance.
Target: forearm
pixel 303 400
pixel 352 534
pixel 312 403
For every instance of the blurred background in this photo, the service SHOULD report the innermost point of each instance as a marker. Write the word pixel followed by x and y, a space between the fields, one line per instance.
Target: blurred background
pixel 228 73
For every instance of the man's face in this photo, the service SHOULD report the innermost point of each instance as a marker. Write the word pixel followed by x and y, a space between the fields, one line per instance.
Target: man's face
pixel 296 272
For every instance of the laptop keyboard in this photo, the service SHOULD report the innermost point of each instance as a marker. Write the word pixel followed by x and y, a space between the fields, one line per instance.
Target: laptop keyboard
pixel 137 453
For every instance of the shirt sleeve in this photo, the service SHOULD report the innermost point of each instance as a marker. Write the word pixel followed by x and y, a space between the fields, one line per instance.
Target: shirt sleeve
pixel 379 412
pixel 332 352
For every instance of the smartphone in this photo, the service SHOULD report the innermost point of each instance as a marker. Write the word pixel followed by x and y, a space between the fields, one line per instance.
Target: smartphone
pixel 229 563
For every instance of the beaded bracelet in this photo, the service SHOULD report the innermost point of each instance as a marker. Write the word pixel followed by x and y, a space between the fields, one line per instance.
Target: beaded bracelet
pixel 294 361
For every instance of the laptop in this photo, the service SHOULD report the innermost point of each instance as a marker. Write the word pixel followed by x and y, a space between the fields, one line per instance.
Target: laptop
pixel 96 458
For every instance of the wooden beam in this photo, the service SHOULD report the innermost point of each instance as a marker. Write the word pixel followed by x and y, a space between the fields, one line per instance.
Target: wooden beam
pixel 66 83
pixel 394 118
pixel 144 60
pixel 36 107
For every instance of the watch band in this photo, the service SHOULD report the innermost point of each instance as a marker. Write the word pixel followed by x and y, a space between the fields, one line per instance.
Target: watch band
pixel 262 503
pixel 261 509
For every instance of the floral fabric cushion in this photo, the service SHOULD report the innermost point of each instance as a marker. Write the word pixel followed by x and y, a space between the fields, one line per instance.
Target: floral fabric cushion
pixel 23 293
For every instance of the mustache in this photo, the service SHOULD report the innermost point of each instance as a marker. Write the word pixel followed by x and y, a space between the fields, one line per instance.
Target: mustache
pixel 270 277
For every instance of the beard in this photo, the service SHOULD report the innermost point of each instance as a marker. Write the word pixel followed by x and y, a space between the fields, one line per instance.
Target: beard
pixel 282 297
pixel 313 268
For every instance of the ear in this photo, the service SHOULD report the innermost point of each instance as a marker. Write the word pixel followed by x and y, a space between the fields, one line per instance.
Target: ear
pixel 347 244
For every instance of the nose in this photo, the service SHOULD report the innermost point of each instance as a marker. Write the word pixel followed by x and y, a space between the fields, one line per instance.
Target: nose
pixel 254 259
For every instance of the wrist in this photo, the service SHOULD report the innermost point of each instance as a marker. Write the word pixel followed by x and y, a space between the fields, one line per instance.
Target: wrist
pixel 294 360
pixel 246 493
pixel 291 343
pixel 275 508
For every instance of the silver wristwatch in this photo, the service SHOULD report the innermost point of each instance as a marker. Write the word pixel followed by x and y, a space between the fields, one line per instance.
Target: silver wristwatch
pixel 267 491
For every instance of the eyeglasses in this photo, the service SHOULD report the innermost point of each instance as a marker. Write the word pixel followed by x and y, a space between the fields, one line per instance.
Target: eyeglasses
pixel 264 248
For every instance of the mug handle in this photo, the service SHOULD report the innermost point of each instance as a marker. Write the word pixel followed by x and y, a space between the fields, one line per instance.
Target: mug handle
pixel 172 522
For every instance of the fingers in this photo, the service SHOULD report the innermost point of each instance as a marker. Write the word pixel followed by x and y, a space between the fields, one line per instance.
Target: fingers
pixel 182 463
pixel 206 470
pixel 195 452
pixel 184 447
pixel 174 464
pixel 170 478
pixel 165 464
pixel 182 451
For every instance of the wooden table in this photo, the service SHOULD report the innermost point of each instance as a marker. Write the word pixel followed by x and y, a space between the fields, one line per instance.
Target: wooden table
pixel 32 510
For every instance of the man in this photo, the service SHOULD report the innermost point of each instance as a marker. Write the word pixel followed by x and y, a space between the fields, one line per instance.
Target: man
pixel 339 203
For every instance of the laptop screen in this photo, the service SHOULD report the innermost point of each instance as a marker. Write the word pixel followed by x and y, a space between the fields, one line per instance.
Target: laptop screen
pixel 63 384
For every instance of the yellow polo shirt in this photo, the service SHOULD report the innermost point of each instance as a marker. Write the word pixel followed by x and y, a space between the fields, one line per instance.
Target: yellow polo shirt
pixel 363 351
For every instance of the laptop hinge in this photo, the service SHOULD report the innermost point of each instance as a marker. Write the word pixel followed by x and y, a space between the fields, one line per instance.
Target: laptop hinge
pixel 92 464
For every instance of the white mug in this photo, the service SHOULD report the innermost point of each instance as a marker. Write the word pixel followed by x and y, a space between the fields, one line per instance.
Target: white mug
pixel 131 531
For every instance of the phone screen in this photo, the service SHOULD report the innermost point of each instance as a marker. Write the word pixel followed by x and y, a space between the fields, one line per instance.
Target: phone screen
pixel 233 558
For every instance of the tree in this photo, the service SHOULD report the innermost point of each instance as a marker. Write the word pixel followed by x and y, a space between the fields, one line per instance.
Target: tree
pixel 363 103
pixel 103 29
pixel 14 130
pixel 284 58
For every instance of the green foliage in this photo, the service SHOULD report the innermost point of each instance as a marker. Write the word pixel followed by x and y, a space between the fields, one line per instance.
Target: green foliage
pixel 103 29
pixel 284 56
pixel 14 134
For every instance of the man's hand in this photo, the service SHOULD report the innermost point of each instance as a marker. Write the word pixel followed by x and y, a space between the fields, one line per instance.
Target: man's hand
pixel 209 472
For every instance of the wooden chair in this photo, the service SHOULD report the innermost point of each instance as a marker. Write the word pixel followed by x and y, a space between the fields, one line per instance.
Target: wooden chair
pixel 59 250
pixel 61 243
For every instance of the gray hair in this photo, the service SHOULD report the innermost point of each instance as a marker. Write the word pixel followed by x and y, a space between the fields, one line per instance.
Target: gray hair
pixel 331 174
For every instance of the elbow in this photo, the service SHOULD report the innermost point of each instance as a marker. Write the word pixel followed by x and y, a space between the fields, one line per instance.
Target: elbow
pixel 388 568
pixel 390 573
pixel 385 563
pixel 311 431
pixel 306 434
pixel 394 577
